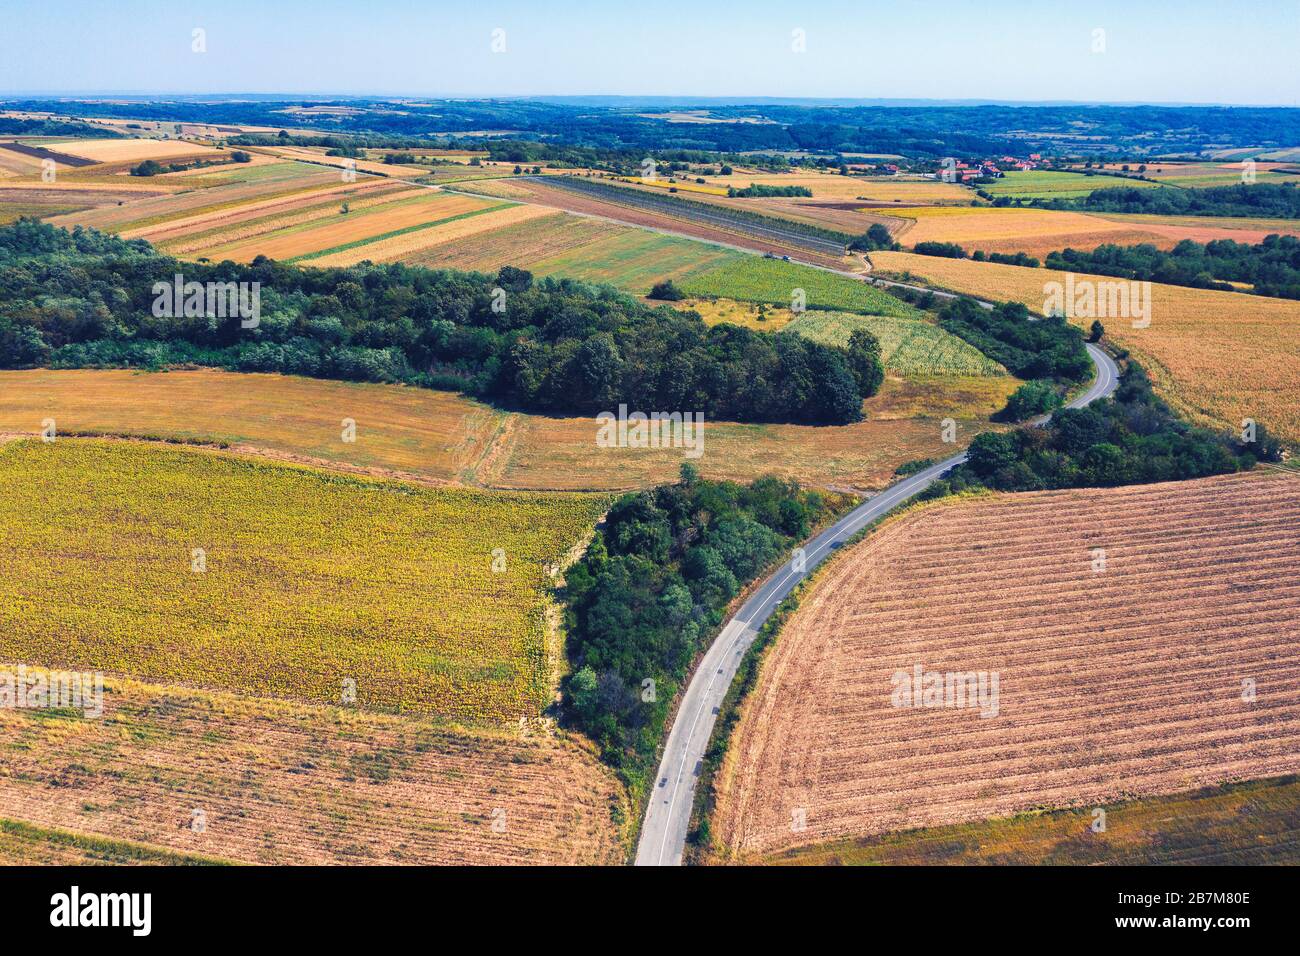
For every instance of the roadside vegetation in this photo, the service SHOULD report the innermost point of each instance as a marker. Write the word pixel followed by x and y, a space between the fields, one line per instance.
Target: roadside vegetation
pixel 651 592
pixel 1251 823
pixel 1132 438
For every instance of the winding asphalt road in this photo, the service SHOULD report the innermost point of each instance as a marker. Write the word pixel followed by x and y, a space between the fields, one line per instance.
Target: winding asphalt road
pixel 663 834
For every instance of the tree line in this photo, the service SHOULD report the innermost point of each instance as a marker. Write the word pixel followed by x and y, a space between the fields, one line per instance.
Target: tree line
pixel 83 299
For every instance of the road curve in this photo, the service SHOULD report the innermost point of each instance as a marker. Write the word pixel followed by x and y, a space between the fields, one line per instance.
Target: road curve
pixel 663 833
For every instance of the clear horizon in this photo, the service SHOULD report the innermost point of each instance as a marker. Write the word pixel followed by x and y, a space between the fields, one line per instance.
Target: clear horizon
pixel 1207 54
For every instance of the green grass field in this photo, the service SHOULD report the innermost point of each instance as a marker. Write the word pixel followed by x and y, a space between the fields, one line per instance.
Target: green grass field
pixel 1050 184
pixel 309 578
pixel 635 260
pixel 907 346
pixel 1239 824
pixel 757 279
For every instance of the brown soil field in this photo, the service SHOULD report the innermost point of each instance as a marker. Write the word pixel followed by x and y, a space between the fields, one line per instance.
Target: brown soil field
pixel 1220 357
pixel 299 784
pixel 1122 683
pixel 441 437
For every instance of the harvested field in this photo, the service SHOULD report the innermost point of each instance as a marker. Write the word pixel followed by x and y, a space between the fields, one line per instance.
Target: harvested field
pixel 136 150
pixel 293 784
pixel 40 153
pixel 443 438
pixel 1128 682
pixel 309 578
pixel 881 189
pixel 1206 228
pixel 1203 175
pixel 1246 824
pixel 413 431
pixel 1035 231
pixel 540 452
pixel 42 201
pixel 1219 356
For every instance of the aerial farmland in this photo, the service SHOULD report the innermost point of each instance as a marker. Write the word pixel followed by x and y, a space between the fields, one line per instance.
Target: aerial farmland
pixel 426 444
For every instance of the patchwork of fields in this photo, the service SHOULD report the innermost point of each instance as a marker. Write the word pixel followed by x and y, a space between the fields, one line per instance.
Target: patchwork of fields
pixel 1125 683
pixel 1221 357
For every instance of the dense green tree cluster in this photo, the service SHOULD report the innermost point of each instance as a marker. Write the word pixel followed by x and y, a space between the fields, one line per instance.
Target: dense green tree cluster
pixel 945 250
pixel 759 190
pixel 876 237
pixel 1272 267
pixel 651 590
pixel 1273 200
pixel 1029 347
pixel 83 299
pixel 1132 438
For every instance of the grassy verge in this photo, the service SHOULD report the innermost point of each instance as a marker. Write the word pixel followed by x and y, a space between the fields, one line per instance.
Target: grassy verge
pixel 1252 823
pixel 20 840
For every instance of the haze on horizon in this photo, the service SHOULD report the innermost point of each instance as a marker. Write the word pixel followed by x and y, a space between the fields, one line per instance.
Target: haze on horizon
pixel 1199 51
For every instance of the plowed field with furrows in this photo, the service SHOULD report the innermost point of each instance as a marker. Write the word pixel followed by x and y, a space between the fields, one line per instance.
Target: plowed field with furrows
pixel 1120 683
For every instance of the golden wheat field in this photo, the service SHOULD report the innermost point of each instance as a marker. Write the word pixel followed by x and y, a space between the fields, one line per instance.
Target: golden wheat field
pixel 1221 357
pixel 1035 231
pixel 230 572
pixel 969 660
pixel 135 150
pixel 286 783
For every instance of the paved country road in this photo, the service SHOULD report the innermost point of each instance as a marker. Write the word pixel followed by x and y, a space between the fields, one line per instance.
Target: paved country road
pixel 663 834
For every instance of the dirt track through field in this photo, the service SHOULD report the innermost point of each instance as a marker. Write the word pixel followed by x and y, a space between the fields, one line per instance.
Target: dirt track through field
pixel 1125 682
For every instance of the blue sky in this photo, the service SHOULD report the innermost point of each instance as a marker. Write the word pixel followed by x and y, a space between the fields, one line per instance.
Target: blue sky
pixel 1155 51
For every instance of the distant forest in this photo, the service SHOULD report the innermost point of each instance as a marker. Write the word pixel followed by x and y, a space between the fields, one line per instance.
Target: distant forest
pixel 915 131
